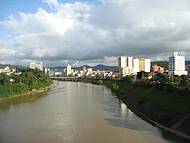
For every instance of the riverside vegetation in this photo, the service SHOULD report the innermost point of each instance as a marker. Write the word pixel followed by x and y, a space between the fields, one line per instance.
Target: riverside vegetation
pixel 169 92
pixel 163 99
pixel 28 80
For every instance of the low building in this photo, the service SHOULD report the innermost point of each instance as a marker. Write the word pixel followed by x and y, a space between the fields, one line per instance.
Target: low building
pixel 157 69
pixel 7 70
pixel 143 74
pixel 57 73
pixel 89 72
pixel 34 65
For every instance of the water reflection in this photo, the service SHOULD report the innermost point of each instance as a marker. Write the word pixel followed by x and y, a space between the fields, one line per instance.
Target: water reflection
pixel 125 118
pixel 75 113
pixel 6 104
pixel 124 110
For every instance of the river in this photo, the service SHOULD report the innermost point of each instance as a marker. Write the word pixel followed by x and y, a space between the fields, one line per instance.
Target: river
pixel 76 113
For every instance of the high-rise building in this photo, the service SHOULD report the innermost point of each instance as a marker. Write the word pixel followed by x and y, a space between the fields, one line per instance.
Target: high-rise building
pixel 125 66
pixel 129 66
pixel 130 62
pixel 122 62
pixel 47 71
pixel 68 70
pixel 136 65
pixel 144 65
pixel 177 65
pixel 34 65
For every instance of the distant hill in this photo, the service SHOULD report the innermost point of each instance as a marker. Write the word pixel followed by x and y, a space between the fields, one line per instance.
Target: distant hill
pixel 106 68
pixel 187 62
pixel 57 68
pixel 161 63
pixel 17 67
pixel 95 68
pixel 81 67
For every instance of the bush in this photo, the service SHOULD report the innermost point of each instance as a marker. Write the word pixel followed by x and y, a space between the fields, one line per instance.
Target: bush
pixel 27 81
pixel 128 78
pixel 99 82
pixel 115 87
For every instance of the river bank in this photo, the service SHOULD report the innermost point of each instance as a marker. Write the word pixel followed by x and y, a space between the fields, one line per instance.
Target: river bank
pixel 173 122
pixel 34 92
pixel 160 113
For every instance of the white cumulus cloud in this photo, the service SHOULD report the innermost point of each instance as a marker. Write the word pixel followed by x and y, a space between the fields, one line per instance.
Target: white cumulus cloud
pixel 82 31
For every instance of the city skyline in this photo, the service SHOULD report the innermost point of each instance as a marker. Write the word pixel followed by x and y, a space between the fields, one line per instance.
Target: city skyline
pixel 61 32
pixel 95 71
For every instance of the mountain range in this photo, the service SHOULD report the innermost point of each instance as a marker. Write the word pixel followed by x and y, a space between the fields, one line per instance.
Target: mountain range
pixel 94 68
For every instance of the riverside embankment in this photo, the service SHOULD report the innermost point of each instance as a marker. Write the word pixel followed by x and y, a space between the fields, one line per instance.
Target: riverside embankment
pixel 35 93
pixel 160 108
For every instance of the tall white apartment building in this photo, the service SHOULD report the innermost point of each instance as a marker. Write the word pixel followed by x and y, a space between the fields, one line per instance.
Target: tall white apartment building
pixel 129 66
pixel 141 64
pixel 68 70
pixel 136 68
pixel 147 65
pixel 34 65
pixel 130 62
pixel 125 65
pixel 177 65
pixel 122 62
pixel 144 65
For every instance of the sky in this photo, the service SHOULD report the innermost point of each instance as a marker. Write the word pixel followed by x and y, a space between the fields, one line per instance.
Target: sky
pixel 92 32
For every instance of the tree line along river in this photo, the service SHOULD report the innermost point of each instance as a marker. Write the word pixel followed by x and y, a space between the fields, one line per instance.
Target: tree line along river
pixel 75 112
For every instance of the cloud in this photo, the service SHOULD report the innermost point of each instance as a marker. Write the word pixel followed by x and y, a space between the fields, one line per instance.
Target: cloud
pixel 82 31
pixel 53 4
pixel 6 52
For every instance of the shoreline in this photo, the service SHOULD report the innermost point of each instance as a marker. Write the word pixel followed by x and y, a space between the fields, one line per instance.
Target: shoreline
pixel 34 92
pixel 153 122
pixel 129 101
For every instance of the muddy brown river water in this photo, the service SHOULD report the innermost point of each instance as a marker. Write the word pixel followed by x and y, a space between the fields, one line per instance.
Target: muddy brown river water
pixel 76 113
